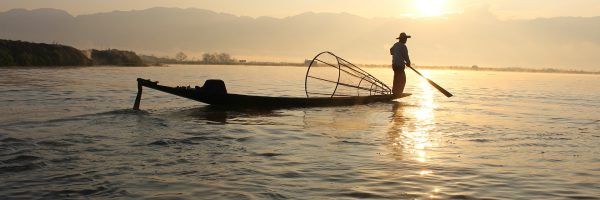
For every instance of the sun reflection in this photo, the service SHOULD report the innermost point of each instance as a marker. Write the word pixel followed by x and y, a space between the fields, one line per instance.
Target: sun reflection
pixel 410 135
pixel 426 99
pixel 425 172
pixel 435 192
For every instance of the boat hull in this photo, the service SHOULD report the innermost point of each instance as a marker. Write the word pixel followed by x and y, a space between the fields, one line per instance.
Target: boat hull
pixel 240 100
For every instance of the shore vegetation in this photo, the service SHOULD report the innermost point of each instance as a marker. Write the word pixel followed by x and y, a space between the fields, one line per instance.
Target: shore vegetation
pixel 21 53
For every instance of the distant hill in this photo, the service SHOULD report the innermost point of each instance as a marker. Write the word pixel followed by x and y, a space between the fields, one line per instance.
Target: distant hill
pixel 20 53
pixel 473 38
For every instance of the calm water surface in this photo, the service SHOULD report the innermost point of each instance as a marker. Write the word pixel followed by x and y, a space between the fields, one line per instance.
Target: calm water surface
pixel 70 133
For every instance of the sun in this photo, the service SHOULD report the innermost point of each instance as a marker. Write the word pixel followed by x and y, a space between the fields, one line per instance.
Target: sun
pixel 430 8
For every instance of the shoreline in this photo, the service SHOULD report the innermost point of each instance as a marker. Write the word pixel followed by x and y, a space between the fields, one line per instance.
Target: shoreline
pixel 22 54
pixel 458 68
pixel 455 68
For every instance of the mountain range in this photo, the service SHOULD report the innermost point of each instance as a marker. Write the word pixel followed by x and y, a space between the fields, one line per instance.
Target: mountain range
pixel 474 37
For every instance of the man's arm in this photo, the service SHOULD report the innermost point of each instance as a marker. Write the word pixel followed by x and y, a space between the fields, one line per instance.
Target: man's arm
pixel 405 55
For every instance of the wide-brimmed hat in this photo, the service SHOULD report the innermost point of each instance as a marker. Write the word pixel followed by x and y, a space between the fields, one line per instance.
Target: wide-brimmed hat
pixel 403 35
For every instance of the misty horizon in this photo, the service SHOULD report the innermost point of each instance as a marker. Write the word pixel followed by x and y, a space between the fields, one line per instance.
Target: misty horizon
pixel 484 39
pixel 505 9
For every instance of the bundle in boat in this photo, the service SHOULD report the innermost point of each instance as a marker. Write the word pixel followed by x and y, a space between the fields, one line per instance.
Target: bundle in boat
pixel 330 81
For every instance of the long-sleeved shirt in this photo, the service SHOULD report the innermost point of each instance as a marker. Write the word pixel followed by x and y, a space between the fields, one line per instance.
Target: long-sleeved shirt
pixel 399 54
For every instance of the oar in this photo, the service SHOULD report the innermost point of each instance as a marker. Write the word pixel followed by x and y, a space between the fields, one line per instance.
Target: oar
pixel 439 88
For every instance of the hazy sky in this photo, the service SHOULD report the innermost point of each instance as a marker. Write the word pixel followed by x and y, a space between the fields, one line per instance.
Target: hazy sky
pixel 507 9
pixel 481 38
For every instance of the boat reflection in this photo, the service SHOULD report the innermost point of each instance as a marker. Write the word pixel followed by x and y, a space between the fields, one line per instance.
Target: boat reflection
pixel 220 115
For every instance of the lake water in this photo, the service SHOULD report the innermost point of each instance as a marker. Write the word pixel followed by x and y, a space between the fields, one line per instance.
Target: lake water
pixel 71 133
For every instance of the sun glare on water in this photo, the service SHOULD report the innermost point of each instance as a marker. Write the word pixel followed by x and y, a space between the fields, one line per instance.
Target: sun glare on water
pixel 430 8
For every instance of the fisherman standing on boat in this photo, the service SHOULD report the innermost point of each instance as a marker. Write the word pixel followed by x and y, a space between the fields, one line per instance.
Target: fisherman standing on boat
pixel 400 59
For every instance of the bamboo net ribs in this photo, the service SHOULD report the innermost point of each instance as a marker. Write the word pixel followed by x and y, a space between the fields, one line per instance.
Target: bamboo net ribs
pixel 329 75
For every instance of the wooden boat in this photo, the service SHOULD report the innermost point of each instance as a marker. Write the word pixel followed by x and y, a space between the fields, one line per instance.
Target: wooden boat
pixel 351 86
pixel 208 96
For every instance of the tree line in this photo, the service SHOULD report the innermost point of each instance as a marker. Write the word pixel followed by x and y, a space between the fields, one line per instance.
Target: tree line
pixel 182 58
pixel 116 57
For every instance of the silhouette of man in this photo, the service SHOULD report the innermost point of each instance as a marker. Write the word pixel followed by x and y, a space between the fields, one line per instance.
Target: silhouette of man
pixel 400 59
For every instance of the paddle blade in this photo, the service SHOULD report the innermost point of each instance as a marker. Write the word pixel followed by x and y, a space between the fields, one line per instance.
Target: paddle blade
pixel 439 88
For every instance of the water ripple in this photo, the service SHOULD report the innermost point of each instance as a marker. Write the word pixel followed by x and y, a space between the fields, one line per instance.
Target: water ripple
pixel 72 135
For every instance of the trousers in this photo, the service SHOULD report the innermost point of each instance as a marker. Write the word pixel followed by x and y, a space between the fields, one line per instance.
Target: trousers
pixel 399 79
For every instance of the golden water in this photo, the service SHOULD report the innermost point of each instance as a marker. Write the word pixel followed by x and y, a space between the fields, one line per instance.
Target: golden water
pixel 70 133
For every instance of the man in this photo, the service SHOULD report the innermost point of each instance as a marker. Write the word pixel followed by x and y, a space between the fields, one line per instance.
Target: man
pixel 399 59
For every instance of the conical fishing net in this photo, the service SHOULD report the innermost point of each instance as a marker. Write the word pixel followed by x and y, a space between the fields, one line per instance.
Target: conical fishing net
pixel 331 76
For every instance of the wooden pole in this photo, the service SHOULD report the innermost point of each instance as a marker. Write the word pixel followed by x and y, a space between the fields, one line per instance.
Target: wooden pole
pixel 138 98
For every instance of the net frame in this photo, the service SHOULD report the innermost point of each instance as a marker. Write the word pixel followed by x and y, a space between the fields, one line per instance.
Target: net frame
pixel 345 67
